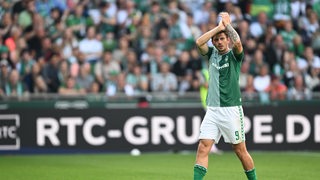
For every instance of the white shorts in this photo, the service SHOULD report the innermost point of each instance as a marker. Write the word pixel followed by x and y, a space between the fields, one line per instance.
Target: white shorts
pixel 225 121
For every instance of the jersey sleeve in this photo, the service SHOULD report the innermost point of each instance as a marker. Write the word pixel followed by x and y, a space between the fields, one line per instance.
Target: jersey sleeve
pixel 239 57
pixel 209 53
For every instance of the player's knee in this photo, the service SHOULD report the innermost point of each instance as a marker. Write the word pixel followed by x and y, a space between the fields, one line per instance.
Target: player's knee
pixel 204 147
pixel 239 149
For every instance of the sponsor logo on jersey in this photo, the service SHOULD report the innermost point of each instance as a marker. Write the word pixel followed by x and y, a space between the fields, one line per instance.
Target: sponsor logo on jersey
pixel 220 67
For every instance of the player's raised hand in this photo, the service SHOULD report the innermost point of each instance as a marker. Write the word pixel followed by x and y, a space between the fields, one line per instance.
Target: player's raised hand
pixel 225 18
pixel 221 25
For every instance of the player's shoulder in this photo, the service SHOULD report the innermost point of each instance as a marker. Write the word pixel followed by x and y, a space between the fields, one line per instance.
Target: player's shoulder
pixel 237 56
pixel 209 52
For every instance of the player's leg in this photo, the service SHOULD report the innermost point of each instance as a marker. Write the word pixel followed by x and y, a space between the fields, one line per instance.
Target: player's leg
pixel 209 133
pixel 246 160
pixel 203 151
pixel 232 129
pixel 202 158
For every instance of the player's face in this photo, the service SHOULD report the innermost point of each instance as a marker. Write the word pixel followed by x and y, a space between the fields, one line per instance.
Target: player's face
pixel 221 41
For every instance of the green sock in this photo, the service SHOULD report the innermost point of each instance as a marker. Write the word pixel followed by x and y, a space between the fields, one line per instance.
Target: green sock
pixel 251 174
pixel 199 172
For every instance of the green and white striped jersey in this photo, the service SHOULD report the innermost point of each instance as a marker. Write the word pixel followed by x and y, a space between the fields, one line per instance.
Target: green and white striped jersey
pixel 224 70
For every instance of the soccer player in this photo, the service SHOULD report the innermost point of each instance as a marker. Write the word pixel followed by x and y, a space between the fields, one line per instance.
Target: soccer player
pixel 224 114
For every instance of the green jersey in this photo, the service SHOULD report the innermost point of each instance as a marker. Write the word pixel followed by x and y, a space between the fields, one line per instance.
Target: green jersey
pixel 224 70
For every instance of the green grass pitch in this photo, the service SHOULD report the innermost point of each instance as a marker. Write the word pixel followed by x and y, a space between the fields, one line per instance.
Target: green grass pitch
pixel 157 166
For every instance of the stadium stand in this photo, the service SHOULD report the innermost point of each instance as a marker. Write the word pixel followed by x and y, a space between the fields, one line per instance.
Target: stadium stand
pixel 112 47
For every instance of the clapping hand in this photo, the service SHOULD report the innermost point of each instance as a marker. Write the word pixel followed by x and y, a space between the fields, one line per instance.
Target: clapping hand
pixel 225 18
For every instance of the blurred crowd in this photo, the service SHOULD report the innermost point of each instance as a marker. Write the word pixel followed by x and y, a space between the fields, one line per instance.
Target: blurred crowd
pixel 74 47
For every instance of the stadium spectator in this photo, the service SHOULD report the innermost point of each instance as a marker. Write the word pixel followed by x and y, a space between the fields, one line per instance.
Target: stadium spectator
pixel 51 73
pixel 147 55
pixel 122 86
pixel 221 4
pixel 299 91
pixel 4 51
pixel 178 31
pixel 155 13
pixel 56 30
pixel 26 62
pixel 234 11
pixel 107 17
pixel 297 8
pixel 15 42
pixel 137 80
pixel 152 67
pixel 34 81
pixel 126 15
pixel 213 19
pixel 172 54
pixel 249 88
pixel 182 67
pixel 71 87
pixel 91 46
pixel 163 38
pixel 85 78
pixel 292 70
pixel 95 89
pixel 315 44
pixel 78 22
pixel 257 28
pixel 129 62
pixel 266 40
pixel 16 8
pixel 67 43
pixel 106 71
pixel 44 7
pixel 262 81
pixel 4 75
pixel 50 21
pixel 34 35
pixel 243 29
pixel 275 51
pixel 298 46
pixel 123 47
pixel 144 37
pixel 14 87
pixel 250 46
pixel 244 73
pixel 164 81
pixel 288 34
pixel 256 62
pixel 281 11
pixel 64 71
pixel 312 78
pixel 195 30
pixel 25 16
pixel 312 59
pixel 6 25
pixel 201 16
pixel 276 90
pixel 196 63
pixel 173 8
pixel 109 42
pixel 311 24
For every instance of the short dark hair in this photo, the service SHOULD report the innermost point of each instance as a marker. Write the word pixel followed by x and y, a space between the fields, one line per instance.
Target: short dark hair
pixel 220 32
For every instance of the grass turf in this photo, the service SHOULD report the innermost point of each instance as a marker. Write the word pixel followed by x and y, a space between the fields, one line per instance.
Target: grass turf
pixel 157 166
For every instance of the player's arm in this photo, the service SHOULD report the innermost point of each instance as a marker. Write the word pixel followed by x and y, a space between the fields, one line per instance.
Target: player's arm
pixel 202 40
pixel 233 35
